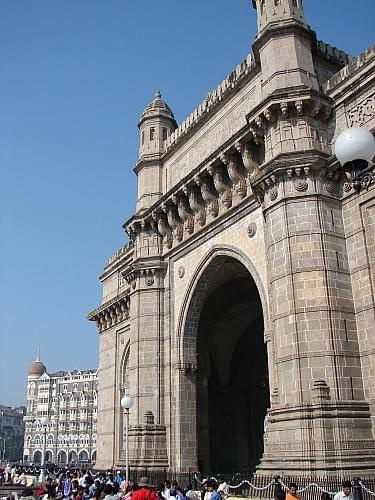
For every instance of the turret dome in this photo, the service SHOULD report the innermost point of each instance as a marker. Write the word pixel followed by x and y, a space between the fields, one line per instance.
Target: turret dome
pixel 157 107
pixel 37 368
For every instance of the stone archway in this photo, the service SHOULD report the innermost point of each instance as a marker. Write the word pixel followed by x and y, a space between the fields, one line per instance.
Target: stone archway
pixel 61 457
pixel 223 369
pixel 37 457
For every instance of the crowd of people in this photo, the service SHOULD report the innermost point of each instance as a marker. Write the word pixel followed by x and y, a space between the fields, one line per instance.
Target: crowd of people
pixel 100 486
pixel 86 485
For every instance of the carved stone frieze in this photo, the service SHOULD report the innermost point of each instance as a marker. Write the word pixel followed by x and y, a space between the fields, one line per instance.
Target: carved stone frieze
pixel 363 112
pixel 299 176
pixel 112 312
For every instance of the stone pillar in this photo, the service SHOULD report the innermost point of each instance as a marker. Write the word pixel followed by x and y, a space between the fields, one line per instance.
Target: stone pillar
pixel 311 301
pixel 359 222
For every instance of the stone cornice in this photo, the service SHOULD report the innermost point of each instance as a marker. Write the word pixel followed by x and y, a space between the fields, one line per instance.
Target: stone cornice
pixel 145 268
pixel 112 312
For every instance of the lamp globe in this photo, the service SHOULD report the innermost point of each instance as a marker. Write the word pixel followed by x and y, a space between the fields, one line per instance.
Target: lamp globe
pixel 127 402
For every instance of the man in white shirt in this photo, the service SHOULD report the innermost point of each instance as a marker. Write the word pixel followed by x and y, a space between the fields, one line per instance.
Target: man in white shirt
pixel 346 493
pixel 222 489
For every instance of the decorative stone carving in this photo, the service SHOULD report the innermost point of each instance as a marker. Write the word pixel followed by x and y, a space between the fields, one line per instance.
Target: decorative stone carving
pixel 149 275
pixel 235 174
pixel 221 185
pixel 181 272
pixel 175 222
pixel 252 229
pixel 164 229
pixel 299 176
pixel 208 195
pixel 362 112
pixel 185 213
pixel 196 204
pixel 249 163
pixel 111 313
pixel 320 391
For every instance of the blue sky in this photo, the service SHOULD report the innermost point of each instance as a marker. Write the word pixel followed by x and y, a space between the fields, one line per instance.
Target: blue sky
pixel 75 78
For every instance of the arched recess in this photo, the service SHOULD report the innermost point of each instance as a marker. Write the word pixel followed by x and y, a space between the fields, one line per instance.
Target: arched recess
pixel 221 339
pixel 61 457
pixel 124 389
pixel 83 455
pixel 37 457
pixel 93 457
pixel 48 456
pixel 73 457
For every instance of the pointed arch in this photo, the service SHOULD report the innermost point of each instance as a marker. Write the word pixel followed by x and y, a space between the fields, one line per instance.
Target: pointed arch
pixel 124 372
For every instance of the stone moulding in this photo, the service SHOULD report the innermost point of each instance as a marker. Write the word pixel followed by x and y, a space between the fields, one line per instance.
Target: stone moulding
pixel 112 312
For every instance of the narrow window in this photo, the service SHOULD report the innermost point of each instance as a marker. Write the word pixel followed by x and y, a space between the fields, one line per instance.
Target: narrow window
pixel 143 137
pixel 294 3
pixel 165 134
pixel 152 133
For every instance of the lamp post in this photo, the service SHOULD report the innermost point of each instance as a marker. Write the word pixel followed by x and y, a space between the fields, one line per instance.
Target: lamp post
pixel 355 150
pixel 126 403
pixel 44 422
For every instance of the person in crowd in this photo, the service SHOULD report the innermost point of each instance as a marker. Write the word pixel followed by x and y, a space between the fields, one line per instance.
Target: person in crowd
pixel 107 492
pixel 79 495
pixel 93 487
pixel 7 474
pixel 86 493
pixel 190 493
pixel 145 491
pixel 205 492
pixel 292 492
pixel 211 487
pixel 345 493
pixel 222 488
pixel 67 486
pixel 118 478
pixel 27 494
pixel 159 491
pixel 166 493
pixel 22 479
pixel 325 496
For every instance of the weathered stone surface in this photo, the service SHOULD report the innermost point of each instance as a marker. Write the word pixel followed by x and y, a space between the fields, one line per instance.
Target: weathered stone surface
pixel 246 189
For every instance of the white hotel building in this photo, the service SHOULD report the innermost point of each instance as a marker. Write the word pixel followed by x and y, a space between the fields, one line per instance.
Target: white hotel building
pixel 69 401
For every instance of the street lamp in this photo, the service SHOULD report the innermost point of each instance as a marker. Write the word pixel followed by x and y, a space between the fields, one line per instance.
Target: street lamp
pixel 44 422
pixel 355 150
pixel 127 402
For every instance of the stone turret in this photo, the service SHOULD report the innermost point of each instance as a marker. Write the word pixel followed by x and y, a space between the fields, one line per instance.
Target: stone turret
pixel 156 125
pixel 274 12
pixel 284 46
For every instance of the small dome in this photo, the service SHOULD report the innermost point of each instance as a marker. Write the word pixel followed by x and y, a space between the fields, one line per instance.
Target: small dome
pixel 37 368
pixel 157 107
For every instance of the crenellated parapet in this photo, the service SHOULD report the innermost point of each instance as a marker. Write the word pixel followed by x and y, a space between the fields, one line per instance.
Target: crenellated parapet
pixel 112 312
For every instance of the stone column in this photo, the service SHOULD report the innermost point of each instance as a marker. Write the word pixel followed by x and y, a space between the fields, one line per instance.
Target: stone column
pixel 311 301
